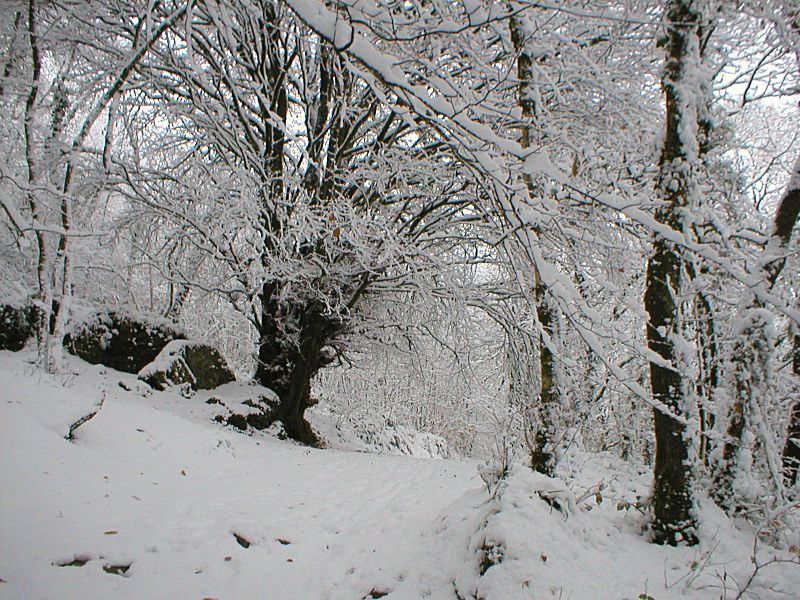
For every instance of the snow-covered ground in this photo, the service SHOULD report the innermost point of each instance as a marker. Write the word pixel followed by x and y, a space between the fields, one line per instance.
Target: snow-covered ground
pixel 153 499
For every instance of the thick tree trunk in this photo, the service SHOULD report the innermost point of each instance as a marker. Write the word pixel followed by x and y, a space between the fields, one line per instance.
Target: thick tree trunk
pixel 673 519
pixel 290 354
pixel 292 330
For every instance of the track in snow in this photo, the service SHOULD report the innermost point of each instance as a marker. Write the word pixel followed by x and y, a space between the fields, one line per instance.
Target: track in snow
pixel 147 485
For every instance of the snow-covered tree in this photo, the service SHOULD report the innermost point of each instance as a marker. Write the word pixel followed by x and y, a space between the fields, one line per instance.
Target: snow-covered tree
pixel 62 73
pixel 289 169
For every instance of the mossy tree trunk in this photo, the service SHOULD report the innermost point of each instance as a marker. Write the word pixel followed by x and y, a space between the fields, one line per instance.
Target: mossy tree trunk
pixel 672 497
pixel 291 354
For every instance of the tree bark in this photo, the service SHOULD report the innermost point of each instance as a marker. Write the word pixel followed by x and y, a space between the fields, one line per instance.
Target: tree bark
pixel 546 406
pixel 785 220
pixel 673 518
pixel 290 355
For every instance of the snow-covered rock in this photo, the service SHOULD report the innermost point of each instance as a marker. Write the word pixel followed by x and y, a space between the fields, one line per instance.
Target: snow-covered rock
pixel 199 365
pixel 245 406
pixel 121 340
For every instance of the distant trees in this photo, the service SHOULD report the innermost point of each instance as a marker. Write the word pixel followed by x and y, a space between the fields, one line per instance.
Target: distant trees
pixel 60 75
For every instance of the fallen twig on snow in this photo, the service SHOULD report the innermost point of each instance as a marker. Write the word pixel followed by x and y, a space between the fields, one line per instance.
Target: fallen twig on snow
pixel 71 434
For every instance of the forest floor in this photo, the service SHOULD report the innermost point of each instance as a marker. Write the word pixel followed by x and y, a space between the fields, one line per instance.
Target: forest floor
pixel 153 499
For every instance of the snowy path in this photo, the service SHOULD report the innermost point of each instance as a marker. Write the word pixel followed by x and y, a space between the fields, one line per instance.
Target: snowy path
pixel 164 493
pixel 153 487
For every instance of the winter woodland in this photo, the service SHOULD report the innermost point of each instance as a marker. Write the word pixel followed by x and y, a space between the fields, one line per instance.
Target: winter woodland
pixel 535 236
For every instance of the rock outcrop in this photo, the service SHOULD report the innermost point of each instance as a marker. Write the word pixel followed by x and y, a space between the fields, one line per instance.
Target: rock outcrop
pixel 122 341
pixel 181 362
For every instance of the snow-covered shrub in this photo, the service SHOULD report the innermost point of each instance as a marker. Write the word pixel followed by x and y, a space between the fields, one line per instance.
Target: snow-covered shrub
pixel 402 439
pixel 16 326
pixel 375 434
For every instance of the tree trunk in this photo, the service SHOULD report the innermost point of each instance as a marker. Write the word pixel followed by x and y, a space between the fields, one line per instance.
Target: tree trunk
pixel 63 262
pixel 745 400
pixel 708 379
pixel 673 519
pixel 785 221
pixel 292 331
pixel 545 409
pixel 44 300
pixel 791 450
pixel 751 353
pixel 292 337
pixel 543 455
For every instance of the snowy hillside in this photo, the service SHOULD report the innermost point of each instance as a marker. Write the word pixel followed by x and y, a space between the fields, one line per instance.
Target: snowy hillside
pixel 153 499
